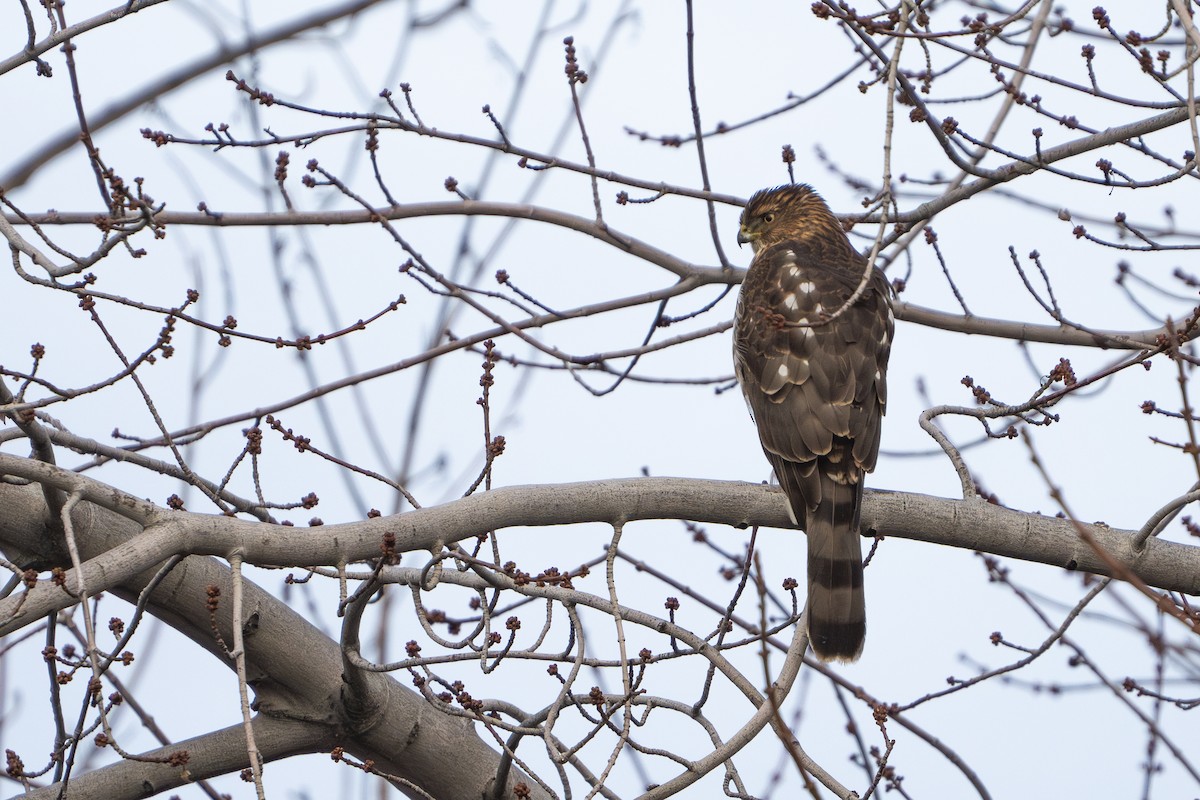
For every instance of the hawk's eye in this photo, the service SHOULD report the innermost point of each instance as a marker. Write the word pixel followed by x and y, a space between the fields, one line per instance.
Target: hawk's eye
pixel 769 218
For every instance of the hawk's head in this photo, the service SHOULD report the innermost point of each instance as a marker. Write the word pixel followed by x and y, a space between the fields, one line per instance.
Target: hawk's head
pixel 792 211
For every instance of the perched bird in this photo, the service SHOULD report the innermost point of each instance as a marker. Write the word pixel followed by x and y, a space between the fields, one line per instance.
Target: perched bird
pixel 814 375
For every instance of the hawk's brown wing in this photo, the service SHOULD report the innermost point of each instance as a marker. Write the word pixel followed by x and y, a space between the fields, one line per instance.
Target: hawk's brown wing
pixel 817 395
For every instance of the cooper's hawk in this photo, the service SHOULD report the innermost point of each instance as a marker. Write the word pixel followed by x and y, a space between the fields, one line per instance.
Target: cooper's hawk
pixel 813 373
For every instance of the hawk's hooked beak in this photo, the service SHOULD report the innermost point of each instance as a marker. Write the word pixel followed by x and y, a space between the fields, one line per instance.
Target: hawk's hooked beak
pixel 742 237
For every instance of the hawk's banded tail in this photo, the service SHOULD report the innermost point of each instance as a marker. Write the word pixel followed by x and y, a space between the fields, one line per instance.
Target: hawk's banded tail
pixel 836 608
pixel 835 611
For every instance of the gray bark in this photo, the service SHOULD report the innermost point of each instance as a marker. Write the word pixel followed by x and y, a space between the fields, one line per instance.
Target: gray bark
pixel 123 540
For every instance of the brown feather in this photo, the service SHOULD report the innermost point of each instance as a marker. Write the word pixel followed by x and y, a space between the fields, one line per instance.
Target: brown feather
pixel 816 386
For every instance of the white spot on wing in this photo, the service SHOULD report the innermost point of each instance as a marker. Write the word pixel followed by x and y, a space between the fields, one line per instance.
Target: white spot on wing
pixel 793 272
pixel 790 301
pixel 783 370
pixel 807 287
pixel 819 308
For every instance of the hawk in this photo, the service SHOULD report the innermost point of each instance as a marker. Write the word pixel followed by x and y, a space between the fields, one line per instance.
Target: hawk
pixel 814 375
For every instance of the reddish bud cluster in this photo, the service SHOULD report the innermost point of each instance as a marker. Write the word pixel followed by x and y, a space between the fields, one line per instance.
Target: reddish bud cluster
pixel 388 548
pixel 574 73
pixel 159 138
pixel 15 767
pixel 981 394
pixel 265 98
pixel 1062 372
pixel 1146 61
pixel 253 440
pixel 213 593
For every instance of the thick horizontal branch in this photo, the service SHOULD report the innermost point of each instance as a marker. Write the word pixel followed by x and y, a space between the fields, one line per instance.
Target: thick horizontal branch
pixel 973 525
pixel 987 528
pixel 123 540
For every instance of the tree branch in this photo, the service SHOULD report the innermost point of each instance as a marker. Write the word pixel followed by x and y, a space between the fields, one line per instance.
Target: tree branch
pixel 54 146
pixel 970 524
pixel 209 755
pixel 296 669
pixel 696 274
